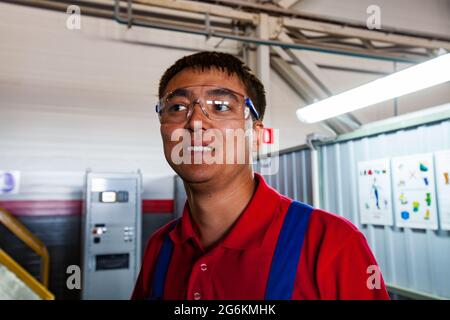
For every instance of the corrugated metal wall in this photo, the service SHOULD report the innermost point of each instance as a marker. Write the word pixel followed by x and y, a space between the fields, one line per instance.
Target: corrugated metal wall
pixel 410 258
pixel 179 196
pixel 413 259
pixel 294 175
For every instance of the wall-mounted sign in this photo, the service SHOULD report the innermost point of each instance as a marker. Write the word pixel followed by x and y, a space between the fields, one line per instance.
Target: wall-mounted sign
pixel 374 186
pixel 9 182
pixel 442 160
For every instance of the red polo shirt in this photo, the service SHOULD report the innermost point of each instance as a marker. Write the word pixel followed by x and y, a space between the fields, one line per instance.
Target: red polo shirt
pixel 335 262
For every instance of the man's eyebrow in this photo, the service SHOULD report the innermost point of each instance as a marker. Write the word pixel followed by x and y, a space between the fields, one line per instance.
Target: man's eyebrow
pixel 181 92
pixel 222 92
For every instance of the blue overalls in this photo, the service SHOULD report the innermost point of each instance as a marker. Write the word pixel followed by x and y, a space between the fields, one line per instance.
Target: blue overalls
pixel 283 269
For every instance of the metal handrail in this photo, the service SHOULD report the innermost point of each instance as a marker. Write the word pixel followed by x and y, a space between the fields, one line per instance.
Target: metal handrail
pixel 37 287
pixel 16 227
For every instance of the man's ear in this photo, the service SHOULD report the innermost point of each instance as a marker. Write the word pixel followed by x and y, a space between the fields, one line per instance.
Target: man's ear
pixel 258 129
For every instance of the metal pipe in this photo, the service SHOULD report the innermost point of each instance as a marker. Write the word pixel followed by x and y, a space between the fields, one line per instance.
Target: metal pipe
pixel 256 41
pixel 315 178
pixel 315 166
pixel 223 35
pixel 293 13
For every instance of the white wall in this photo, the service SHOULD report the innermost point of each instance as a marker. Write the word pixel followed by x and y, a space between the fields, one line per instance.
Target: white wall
pixel 72 100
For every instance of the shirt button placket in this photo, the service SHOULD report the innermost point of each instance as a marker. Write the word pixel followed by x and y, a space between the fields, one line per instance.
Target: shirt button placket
pixel 203 267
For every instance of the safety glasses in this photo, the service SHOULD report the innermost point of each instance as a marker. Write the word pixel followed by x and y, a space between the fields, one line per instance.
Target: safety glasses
pixel 215 102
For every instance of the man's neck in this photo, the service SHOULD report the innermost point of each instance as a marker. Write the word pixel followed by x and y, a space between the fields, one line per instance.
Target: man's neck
pixel 216 207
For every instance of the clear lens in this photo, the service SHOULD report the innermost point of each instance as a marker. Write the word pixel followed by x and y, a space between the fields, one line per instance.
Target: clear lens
pixel 215 102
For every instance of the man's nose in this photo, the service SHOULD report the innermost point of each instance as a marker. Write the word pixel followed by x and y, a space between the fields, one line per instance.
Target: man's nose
pixel 197 116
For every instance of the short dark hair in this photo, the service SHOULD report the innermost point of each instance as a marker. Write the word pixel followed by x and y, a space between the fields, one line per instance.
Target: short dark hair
pixel 224 62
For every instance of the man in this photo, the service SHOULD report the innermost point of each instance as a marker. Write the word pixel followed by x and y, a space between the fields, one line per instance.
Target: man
pixel 238 238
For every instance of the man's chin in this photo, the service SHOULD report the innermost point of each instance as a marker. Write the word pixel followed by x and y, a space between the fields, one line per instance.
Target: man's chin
pixel 197 173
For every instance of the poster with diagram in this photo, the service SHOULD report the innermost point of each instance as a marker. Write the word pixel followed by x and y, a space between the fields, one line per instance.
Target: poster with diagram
pixel 374 185
pixel 442 161
pixel 414 191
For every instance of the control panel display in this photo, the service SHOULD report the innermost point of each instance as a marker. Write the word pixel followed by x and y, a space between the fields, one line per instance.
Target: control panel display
pixel 113 196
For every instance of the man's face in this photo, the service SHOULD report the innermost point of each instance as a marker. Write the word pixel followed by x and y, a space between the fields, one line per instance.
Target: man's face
pixel 201 131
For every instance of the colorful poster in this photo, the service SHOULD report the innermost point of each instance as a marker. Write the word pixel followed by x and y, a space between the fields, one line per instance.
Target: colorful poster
pixel 414 191
pixel 374 183
pixel 442 161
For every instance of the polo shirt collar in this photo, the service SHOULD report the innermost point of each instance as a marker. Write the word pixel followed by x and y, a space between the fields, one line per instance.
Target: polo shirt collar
pixel 251 226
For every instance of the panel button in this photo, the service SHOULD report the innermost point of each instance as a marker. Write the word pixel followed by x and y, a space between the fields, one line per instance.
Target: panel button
pixel 197 296
pixel 122 196
pixel 203 267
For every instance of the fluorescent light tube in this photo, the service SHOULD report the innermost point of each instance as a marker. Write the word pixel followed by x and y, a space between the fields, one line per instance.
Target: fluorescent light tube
pixel 415 78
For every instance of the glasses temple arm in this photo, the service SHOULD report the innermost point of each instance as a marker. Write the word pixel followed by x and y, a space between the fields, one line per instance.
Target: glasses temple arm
pixel 252 108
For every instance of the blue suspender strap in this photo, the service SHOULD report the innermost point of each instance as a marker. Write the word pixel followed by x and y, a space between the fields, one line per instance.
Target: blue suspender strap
pixel 162 265
pixel 283 270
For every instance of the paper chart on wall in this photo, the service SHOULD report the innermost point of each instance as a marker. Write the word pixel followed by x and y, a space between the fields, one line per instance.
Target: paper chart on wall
pixel 414 191
pixel 442 161
pixel 374 185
